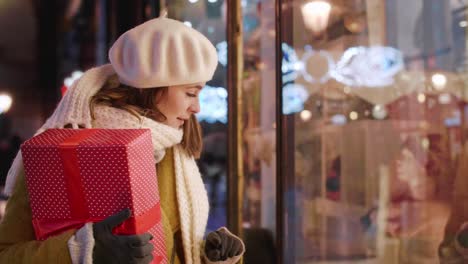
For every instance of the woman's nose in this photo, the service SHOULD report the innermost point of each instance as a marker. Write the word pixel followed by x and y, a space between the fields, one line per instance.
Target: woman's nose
pixel 195 107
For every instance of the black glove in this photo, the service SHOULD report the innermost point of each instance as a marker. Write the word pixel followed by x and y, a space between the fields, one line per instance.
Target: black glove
pixel 220 246
pixel 463 237
pixel 110 248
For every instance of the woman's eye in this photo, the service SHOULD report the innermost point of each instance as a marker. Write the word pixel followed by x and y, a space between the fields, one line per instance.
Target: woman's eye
pixel 191 95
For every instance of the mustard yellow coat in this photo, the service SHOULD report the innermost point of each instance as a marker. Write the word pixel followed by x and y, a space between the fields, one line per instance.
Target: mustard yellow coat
pixel 17 240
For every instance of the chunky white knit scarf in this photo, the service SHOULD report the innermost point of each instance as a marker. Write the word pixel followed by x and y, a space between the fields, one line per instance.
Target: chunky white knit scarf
pixel 191 194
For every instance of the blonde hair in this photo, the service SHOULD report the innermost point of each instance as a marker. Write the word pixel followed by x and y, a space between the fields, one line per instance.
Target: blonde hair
pixel 142 102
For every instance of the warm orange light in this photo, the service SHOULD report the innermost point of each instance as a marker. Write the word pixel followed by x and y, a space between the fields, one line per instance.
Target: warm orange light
pixel 5 103
pixel 316 15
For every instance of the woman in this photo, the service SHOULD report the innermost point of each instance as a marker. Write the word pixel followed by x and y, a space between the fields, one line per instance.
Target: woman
pixel 156 73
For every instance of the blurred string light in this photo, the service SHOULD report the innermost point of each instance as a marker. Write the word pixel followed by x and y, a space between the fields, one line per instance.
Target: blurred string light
pixel 463 23
pixel 212 1
pixel 210 30
pixel 68 82
pixel 74 76
pixel 452 121
pixel 305 115
pixel 421 98
pixel 439 81
pixel 455 120
pixel 5 103
pixel 353 115
pixel 294 96
pixel 425 143
pixel 221 47
pixel 338 119
pixel 379 112
pixel 213 104
pixel 444 98
pixel 315 15
pixel 193 1
pixel 188 23
pixel 355 22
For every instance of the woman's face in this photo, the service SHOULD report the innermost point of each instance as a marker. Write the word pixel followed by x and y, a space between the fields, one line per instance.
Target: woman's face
pixel 180 102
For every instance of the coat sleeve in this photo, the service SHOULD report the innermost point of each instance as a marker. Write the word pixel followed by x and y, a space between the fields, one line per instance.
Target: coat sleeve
pixel 17 239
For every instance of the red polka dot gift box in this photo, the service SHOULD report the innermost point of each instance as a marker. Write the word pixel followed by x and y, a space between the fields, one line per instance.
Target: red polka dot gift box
pixel 75 176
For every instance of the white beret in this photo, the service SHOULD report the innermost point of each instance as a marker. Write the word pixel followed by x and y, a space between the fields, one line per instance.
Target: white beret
pixel 163 52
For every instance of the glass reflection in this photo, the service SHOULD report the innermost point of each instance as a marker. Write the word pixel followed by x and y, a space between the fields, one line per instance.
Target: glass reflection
pixel 376 91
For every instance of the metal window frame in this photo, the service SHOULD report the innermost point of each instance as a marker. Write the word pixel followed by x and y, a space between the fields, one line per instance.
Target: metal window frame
pixel 235 175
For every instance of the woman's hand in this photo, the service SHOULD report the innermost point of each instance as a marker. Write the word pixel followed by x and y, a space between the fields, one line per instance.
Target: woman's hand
pixel 221 245
pixel 462 235
pixel 110 248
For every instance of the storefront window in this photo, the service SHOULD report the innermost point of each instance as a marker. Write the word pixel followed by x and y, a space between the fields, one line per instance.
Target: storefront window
pixel 375 92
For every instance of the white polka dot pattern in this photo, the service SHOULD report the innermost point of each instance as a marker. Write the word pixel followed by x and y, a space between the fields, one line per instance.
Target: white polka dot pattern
pixel 144 172
pixel 117 170
pixel 158 243
pixel 44 176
